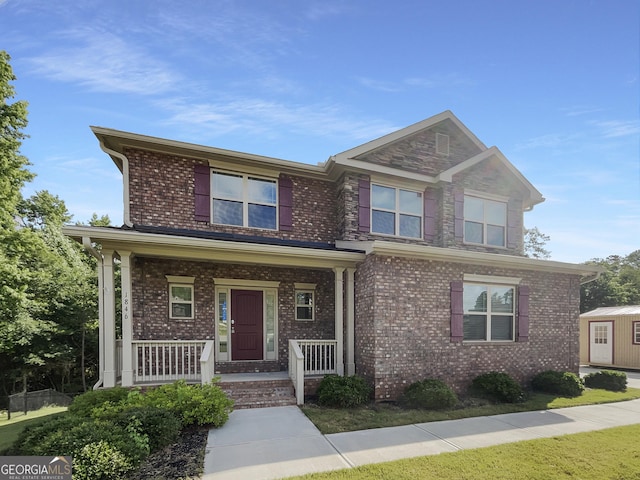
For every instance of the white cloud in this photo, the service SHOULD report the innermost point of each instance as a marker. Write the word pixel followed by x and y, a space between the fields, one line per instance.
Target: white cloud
pixel 618 128
pixel 103 62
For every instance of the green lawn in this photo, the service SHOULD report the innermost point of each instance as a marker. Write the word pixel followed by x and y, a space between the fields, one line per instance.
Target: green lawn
pixel 10 429
pixel 604 454
pixel 331 420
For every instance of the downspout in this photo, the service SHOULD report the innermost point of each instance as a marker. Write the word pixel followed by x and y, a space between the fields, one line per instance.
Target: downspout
pixel 125 181
pixel 86 243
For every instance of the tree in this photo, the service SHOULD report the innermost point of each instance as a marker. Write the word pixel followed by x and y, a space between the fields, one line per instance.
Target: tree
pixel 618 285
pixel 534 243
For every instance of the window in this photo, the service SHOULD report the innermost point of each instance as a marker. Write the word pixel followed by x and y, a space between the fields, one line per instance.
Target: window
pixel 636 333
pixel 305 301
pixel 244 200
pixel 489 312
pixel 180 296
pixel 484 221
pixel 395 211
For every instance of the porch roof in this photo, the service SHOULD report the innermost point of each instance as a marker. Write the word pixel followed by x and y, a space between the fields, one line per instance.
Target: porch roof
pixel 205 246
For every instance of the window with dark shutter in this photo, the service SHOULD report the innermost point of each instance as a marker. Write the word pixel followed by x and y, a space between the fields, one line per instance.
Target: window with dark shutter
pixel 364 205
pixel 202 184
pixel 285 200
pixel 430 210
pixel 512 225
pixel 458 199
pixel 457 311
pixel 523 313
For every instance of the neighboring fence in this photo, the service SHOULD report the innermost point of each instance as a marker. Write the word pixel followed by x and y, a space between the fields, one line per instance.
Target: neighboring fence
pixel 29 401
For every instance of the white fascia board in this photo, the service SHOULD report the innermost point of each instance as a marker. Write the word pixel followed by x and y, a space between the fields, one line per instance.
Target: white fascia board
pixel 189 248
pixel 424 252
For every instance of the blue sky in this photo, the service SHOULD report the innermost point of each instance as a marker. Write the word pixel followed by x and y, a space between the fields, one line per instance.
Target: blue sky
pixel 553 83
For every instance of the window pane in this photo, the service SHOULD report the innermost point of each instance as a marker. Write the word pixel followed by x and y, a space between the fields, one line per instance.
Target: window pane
pixel 495 213
pixel 475 298
pixel 495 235
pixel 180 294
pixel 222 321
pixel 410 202
pixel 228 213
pixel 262 191
pixel 383 197
pixel 474 209
pixel 475 327
pixel 304 298
pixel 383 222
pixel 473 232
pixel 262 216
pixel 270 300
pixel 304 313
pixel 181 310
pixel 410 226
pixel 502 299
pixel 501 327
pixel 227 186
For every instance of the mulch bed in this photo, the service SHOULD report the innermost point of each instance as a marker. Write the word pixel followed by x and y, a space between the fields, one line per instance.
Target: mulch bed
pixel 181 460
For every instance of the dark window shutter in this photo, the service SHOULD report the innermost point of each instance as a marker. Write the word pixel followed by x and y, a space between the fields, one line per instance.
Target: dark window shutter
pixel 458 209
pixel 364 205
pixel 202 183
pixel 523 313
pixel 285 202
pixel 430 210
pixel 457 311
pixel 512 225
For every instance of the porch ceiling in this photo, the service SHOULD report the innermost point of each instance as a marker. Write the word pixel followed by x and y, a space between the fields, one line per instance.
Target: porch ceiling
pixel 223 251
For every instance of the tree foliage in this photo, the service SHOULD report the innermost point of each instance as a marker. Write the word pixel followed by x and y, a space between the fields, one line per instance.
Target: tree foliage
pixel 618 285
pixel 534 243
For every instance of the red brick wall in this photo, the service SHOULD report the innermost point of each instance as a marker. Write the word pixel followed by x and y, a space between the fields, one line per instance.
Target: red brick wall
pixel 403 326
pixel 161 189
pixel 151 311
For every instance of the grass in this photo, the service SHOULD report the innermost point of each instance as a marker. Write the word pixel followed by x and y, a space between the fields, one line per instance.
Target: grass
pixel 331 420
pixel 10 429
pixel 611 453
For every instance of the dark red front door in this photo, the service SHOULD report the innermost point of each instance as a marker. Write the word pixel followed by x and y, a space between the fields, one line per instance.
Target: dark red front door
pixel 246 333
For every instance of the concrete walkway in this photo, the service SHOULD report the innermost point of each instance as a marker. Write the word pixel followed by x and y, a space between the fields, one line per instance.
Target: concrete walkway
pixel 278 442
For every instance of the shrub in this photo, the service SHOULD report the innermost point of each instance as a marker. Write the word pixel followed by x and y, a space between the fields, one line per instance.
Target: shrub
pixel 498 386
pixel 193 404
pixel 84 404
pixel 343 392
pixel 607 380
pixel 429 394
pixel 100 461
pixel 160 426
pixel 566 384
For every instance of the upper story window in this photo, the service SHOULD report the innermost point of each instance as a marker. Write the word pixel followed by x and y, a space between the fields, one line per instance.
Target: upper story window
pixel 244 200
pixel 489 312
pixel 395 211
pixel 485 221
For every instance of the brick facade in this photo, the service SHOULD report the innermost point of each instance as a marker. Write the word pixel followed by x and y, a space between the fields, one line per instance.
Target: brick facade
pixel 403 318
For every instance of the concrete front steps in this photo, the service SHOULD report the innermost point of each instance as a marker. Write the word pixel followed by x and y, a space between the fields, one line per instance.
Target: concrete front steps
pixel 258 390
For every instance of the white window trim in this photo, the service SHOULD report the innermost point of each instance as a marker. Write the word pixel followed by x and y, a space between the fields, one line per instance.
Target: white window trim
pixel 245 197
pixel 305 288
pixel 397 212
pixel 489 313
pixel 181 281
pixel 492 198
pixel 636 333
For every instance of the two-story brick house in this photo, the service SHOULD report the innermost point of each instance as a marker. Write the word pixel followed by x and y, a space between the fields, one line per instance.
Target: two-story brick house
pixel 398 260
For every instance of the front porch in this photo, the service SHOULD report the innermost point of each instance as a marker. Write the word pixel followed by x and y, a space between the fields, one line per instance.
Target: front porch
pixel 157 362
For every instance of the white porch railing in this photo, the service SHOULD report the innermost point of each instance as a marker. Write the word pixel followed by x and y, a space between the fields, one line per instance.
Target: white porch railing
pixel 310 357
pixel 207 365
pixel 166 361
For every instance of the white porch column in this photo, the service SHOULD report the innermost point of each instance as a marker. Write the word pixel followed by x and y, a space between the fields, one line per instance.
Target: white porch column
pixel 109 308
pixel 350 334
pixel 339 314
pixel 127 329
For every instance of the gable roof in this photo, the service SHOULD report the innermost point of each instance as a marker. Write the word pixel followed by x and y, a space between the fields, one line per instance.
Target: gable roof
pixel 613 311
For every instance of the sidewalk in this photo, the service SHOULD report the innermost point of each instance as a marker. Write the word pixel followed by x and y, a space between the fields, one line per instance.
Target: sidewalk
pixel 272 443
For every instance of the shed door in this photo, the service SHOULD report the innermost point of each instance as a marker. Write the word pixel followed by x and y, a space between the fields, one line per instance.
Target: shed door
pixel 246 331
pixel 601 342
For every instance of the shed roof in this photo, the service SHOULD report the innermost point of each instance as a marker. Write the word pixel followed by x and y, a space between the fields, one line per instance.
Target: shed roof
pixel 613 311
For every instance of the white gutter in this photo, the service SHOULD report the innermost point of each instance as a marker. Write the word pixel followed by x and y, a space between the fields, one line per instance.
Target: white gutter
pixel 125 181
